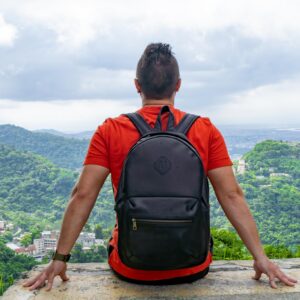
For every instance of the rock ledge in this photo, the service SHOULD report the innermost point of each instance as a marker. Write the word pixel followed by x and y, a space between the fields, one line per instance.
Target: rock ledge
pixel 226 280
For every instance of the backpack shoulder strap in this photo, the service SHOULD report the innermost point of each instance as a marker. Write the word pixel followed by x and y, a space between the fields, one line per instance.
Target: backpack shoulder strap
pixel 139 122
pixel 185 123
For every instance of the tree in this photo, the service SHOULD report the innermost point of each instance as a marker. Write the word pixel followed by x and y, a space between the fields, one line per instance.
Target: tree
pixel 98 231
pixel 77 254
pixel 36 232
pixel 87 227
pixel 7 236
pixel 11 266
pixel 26 240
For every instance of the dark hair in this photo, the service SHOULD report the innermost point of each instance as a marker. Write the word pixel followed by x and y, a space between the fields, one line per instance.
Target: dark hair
pixel 157 71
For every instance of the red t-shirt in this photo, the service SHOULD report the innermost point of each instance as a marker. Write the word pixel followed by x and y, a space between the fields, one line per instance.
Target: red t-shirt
pixel 109 147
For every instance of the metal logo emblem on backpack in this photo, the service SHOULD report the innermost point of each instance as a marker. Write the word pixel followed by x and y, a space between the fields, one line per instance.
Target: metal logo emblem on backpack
pixel 162 165
pixel 163 221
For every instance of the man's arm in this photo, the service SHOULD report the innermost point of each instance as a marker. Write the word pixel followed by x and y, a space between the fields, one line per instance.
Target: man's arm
pixel 83 198
pixel 80 206
pixel 232 200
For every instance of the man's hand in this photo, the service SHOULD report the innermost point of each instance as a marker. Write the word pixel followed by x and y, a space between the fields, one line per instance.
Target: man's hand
pixel 80 205
pixel 267 267
pixel 48 274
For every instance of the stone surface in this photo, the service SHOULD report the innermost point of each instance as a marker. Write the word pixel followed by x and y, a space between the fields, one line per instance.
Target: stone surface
pixel 226 280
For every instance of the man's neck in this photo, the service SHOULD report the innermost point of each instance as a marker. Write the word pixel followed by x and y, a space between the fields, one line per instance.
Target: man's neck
pixel 155 102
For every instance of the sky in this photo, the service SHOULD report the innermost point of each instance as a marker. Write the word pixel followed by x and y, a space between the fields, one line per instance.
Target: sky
pixel 69 65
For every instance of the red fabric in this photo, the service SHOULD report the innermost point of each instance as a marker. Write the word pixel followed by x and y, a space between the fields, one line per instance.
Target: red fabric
pixel 109 147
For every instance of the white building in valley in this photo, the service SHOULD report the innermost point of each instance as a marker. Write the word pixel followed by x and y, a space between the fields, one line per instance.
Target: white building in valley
pixel 2 225
pixel 47 242
pixel 87 239
pixel 241 168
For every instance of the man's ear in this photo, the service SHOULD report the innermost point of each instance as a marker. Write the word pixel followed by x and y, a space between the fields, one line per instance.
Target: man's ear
pixel 137 86
pixel 178 85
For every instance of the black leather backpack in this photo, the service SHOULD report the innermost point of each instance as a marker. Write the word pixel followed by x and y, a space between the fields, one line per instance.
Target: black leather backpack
pixel 162 203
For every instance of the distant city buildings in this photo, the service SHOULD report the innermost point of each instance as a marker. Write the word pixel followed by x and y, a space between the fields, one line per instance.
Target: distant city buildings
pixel 54 234
pixel 87 239
pixel 5 226
pixel 47 242
pixel 30 250
pixel 44 245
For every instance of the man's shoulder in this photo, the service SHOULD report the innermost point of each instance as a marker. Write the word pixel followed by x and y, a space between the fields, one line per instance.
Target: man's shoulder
pixel 112 123
pixel 117 120
pixel 203 122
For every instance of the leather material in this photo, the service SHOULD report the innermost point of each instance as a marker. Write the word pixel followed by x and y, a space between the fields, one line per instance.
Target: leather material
pixel 162 203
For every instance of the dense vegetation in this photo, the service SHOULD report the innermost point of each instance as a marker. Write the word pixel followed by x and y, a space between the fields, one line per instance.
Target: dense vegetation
pixel 34 191
pixel 228 245
pixel 65 152
pixel 274 198
pixel 11 266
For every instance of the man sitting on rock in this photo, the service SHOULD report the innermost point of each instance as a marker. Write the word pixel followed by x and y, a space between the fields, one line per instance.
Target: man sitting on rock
pixel 166 247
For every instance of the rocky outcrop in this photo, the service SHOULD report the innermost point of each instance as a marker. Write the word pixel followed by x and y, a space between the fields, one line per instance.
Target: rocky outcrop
pixel 226 280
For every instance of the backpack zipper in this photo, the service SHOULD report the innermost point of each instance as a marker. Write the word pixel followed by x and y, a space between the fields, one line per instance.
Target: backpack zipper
pixel 135 221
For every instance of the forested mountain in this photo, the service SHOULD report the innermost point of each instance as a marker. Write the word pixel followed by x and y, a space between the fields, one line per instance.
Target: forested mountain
pixel 78 135
pixel 65 152
pixel 241 139
pixel 35 191
pixel 271 184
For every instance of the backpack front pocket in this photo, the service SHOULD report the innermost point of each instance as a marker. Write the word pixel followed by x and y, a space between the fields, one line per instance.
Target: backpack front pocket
pixel 149 242
pixel 156 243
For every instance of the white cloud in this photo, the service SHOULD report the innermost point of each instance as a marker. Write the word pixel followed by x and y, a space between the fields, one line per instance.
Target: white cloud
pixel 8 33
pixel 77 22
pixel 273 104
pixel 68 116
pixel 239 60
pixel 269 104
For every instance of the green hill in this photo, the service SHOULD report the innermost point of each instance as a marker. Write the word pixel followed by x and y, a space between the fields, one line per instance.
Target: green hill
pixel 65 152
pixel 271 184
pixel 33 191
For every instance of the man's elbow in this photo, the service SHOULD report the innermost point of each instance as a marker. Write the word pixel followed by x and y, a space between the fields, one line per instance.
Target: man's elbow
pixel 81 203
pixel 74 190
pixel 234 195
pixel 82 195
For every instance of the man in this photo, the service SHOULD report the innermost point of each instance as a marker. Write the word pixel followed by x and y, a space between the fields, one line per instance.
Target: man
pixel 157 81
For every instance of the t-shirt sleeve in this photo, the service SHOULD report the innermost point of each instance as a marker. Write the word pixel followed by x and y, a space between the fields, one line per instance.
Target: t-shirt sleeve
pixel 97 153
pixel 218 154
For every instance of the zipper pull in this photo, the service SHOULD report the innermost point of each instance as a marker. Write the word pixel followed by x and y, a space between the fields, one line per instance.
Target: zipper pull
pixel 134 226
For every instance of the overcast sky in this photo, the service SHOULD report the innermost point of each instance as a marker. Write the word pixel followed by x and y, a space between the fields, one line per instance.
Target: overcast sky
pixel 68 65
